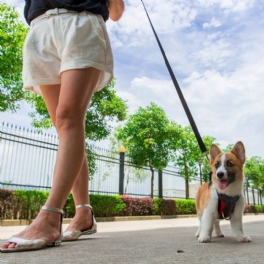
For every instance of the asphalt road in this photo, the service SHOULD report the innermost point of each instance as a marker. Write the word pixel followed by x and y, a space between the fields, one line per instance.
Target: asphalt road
pixel 149 241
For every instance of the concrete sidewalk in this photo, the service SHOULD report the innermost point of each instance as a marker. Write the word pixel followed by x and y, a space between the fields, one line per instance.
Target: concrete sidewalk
pixel 149 241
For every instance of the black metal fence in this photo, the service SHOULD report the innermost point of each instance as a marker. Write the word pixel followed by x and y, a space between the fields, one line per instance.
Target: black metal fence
pixel 27 159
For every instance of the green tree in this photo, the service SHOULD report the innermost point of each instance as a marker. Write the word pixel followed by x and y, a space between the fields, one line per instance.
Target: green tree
pixel 228 148
pixel 206 167
pixel 12 35
pixel 254 172
pixel 147 136
pixel 187 153
pixel 132 174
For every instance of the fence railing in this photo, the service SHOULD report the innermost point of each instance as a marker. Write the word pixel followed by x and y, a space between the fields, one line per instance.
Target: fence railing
pixel 27 159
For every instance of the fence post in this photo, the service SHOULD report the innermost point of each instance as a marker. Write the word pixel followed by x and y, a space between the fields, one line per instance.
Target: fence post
pixel 160 185
pixel 253 195
pixel 121 169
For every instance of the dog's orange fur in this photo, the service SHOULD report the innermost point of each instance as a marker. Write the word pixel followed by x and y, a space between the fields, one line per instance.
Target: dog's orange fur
pixel 203 196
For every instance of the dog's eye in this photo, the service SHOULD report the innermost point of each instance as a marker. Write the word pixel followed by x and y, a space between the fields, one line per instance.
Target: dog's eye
pixel 229 164
pixel 217 164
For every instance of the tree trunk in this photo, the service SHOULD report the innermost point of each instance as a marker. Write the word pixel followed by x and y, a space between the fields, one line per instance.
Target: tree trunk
pixel 186 188
pixel 152 181
pixel 127 183
pixel 247 196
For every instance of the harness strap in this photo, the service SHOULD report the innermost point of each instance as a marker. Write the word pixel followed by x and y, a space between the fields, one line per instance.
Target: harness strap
pixel 226 205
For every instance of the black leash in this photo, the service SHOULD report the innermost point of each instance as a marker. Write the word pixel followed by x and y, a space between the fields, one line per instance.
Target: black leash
pixel 178 89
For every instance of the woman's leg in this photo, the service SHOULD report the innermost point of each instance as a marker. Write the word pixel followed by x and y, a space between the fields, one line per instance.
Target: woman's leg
pixel 75 93
pixel 83 217
pixel 80 190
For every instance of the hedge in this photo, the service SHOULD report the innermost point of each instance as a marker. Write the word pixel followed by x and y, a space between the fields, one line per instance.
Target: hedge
pixel 186 206
pixel 26 204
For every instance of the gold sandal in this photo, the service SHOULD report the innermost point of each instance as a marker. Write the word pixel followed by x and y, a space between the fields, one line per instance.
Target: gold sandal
pixel 34 244
pixel 75 234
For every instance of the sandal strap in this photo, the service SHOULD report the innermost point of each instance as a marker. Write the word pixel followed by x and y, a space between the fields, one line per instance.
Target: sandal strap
pixel 55 210
pixel 84 205
pixel 52 209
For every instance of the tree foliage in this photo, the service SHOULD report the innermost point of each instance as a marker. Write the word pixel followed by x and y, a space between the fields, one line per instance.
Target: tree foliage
pixel 147 136
pixel 105 108
pixel 187 153
pixel 12 35
pixel 254 172
pixel 228 148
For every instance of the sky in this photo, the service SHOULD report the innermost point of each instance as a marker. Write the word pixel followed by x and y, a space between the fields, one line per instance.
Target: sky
pixel 215 48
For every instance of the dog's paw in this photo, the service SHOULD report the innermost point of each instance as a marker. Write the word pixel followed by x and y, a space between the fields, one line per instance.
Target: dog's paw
pixel 197 234
pixel 204 239
pixel 243 239
pixel 219 234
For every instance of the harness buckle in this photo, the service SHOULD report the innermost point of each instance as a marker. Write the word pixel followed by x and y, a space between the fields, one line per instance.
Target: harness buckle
pixel 226 218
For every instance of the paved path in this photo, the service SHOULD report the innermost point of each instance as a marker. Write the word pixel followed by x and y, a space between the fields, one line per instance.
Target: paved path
pixel 147 242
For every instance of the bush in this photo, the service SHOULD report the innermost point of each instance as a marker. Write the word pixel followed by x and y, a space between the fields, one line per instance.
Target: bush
pixel 29 202
pixel 7 204
pixel 185 207
pixel 164 206
pixel 137 206
pixel 26 205
pixel 69 207
pixel 157 206
pixel 249 208
pixel 259 208
pixel 105 206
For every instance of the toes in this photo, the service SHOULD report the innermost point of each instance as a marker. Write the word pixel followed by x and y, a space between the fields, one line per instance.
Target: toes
pixel 204 239
pixel 243 239
pixel 8 245
pixel 12 245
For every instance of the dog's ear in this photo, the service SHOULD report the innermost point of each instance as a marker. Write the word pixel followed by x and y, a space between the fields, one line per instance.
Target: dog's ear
pixel 239 151
pixel 214 151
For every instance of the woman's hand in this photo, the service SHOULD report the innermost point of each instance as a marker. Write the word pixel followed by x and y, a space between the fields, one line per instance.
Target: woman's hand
pixel 116 9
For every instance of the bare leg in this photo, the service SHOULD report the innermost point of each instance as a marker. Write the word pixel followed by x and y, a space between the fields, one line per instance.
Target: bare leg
pixel 80 190
pixel 83 217
pixel 72 97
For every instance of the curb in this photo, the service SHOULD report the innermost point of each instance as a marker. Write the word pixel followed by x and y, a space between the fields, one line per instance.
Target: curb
pixel 100 219
pixel 109 219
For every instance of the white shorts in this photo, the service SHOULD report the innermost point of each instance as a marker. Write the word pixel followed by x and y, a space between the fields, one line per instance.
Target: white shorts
pixel 63 42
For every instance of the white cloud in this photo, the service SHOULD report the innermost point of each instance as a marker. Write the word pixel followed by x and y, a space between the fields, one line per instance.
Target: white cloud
pixel 228 5
pixel 213 23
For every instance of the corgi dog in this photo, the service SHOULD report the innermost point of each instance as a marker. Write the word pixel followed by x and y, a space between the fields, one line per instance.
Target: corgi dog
pixel 222 197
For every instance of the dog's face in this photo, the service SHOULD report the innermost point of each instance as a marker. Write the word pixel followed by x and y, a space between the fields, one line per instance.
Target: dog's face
pixel 227 168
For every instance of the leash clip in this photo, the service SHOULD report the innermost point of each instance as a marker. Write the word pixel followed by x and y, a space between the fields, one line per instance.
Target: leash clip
pixel 226 218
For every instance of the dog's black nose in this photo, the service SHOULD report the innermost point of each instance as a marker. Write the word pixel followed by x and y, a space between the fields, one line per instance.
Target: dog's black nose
pixel 220 175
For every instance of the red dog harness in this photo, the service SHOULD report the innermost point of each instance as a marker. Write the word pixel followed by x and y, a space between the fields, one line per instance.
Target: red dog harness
pixel 226 205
